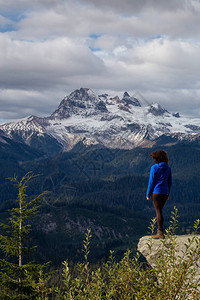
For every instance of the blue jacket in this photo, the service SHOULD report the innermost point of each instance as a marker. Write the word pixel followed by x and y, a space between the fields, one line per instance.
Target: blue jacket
pixel 160 179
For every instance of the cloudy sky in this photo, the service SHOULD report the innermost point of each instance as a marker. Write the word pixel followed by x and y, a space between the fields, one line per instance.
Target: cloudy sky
pixel 48 48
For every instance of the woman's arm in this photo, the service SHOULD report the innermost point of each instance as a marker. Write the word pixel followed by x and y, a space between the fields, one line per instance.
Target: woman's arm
pixel 151 184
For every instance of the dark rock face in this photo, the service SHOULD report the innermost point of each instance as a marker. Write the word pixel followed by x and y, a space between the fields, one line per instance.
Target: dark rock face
pixel 82 94
pixel 80 102
pixel 193 127
pixel 101 106
pixel 176 115
pixel 61 113
pixel 127 100
pixel 134 127
pixel 157 110
pixel 126 95
pixel 103 96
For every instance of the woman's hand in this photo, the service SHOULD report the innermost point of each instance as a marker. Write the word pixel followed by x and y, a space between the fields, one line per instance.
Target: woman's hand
pixel 148 198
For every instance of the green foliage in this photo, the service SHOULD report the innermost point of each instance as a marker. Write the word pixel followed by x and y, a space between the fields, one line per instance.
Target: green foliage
pixel 176 269
pixel 16 277
pixel 171 276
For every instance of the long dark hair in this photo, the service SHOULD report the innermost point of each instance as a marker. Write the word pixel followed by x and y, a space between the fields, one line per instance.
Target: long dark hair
pixel 159 156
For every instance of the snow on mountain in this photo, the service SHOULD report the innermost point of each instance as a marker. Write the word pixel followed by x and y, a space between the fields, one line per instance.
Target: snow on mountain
pixel 105 120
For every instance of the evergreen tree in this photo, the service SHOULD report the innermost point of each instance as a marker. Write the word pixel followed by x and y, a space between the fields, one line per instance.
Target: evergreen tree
pixel 19 279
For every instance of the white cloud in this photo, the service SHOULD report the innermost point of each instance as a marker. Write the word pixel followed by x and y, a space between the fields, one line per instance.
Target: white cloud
pixel 39 65
pixel 135 6
pixel 163 70
pixel 14 6
pixel 108 45
pixel 75 20
pixel 15 104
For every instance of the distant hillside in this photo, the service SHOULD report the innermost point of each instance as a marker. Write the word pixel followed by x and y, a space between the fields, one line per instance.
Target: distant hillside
pixel 99 188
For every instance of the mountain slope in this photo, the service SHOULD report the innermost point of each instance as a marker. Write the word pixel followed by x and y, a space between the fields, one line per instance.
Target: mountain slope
pixel 102 120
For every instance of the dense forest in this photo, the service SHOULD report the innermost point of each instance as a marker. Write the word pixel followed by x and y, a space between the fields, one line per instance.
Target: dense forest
pixel 126 278
pixel 102 189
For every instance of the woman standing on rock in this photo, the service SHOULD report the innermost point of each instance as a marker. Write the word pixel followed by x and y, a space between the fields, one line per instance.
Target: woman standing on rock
pixel 160 180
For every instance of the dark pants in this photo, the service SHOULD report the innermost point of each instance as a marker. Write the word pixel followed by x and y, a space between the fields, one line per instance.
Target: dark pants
pixel 159 202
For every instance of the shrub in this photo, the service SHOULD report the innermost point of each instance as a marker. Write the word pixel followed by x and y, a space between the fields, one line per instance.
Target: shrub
pixel 171 276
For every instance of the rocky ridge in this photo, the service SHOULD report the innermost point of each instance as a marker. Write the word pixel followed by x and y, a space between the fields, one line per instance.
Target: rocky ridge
pixel 178 252
pixel 104 120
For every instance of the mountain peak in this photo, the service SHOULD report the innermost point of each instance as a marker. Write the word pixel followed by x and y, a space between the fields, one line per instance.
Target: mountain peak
pixel 176 115
pixel 83 94
pixel 157 110
pixel 104 120
pixel 127 100
pixel 126 95
pixel 82 101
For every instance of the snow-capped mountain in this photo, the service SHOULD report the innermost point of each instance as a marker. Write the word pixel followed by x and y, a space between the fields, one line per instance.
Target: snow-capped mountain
pixel 106 120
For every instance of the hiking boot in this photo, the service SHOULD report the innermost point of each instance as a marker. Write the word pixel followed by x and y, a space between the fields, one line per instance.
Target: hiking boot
pixel 158 235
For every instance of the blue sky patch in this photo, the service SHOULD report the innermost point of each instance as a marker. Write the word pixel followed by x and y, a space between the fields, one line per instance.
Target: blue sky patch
pixel 95 36
pixel 14 17
pixel 94 49
pixel 7 28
